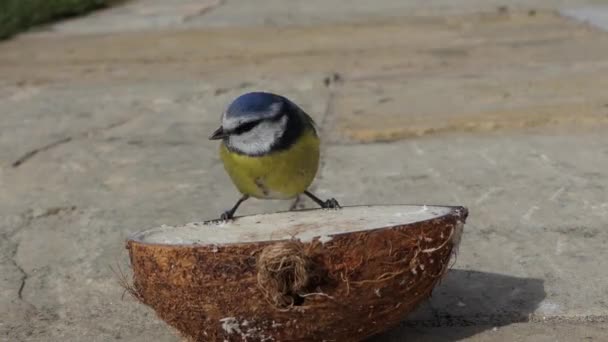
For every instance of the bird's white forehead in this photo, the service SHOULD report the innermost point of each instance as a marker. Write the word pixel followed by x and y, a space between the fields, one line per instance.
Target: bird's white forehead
pixel 231 122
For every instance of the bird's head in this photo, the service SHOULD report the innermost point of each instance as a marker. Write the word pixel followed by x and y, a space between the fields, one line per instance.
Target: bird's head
pixel 255 122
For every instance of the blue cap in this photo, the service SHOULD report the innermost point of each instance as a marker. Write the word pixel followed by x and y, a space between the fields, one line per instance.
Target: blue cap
pixel 255 105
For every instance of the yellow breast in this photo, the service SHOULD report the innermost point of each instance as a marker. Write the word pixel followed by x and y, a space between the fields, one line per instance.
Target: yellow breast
pixel 278 175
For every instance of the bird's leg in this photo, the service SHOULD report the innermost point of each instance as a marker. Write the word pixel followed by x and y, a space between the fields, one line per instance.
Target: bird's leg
pixel 329 204
pixel 229 214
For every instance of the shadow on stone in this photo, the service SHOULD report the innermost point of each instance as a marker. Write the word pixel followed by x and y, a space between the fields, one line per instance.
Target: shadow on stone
pixel 466 303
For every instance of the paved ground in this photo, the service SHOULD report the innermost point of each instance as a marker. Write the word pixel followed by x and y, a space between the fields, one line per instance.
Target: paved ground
pixel 498 106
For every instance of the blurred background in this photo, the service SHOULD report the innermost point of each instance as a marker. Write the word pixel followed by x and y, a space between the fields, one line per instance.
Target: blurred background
pixel 500 106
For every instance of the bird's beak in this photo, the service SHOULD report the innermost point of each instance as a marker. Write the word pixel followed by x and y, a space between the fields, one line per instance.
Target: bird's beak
pixel 218 134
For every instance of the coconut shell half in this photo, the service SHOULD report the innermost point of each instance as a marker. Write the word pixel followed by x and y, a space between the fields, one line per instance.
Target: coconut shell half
pixel 309 275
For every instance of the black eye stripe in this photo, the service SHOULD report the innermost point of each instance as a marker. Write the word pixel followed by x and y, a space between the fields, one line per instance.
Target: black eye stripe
pixel 246 127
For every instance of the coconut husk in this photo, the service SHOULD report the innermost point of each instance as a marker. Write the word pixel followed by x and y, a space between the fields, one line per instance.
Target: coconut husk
pixel 310 275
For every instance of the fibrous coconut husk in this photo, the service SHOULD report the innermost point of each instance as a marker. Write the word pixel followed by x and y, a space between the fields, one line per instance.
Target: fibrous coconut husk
pixel 312 275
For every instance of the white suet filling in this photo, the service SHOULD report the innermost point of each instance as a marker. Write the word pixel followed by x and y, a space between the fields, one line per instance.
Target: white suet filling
pixel 305 225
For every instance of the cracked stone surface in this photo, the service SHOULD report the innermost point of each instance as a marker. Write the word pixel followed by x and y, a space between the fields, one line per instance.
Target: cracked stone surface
pixel 498 106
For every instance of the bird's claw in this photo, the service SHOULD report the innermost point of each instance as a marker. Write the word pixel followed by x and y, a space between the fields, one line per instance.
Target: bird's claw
pixel 226 215
pixel 331 203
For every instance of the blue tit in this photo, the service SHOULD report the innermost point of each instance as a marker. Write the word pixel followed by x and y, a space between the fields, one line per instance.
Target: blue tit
pixel 269 148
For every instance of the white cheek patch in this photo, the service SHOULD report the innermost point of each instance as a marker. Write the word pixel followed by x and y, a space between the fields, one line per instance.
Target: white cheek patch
pixel 259 140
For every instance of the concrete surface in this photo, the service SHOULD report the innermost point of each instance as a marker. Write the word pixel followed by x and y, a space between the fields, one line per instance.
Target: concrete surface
pixel 495 105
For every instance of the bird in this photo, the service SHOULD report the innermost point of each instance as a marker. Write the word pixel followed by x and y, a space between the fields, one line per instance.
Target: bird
pixel 270 148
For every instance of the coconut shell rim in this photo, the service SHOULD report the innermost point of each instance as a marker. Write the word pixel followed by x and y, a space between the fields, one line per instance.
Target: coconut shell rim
pixel 455 210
